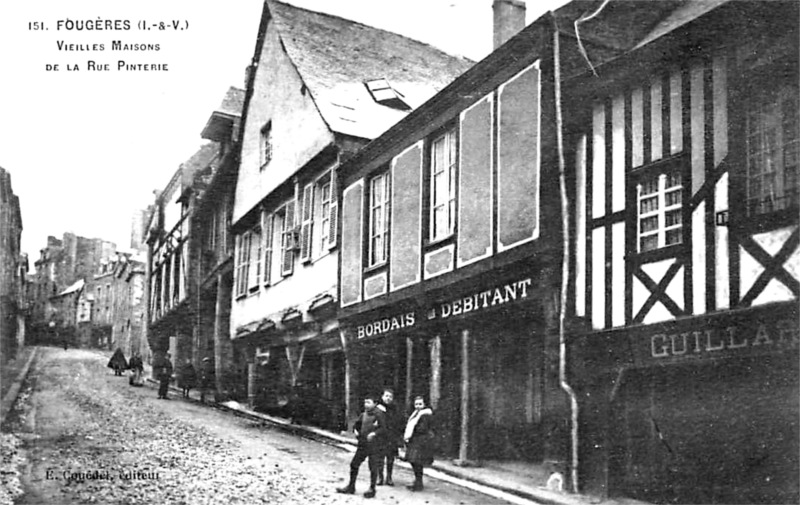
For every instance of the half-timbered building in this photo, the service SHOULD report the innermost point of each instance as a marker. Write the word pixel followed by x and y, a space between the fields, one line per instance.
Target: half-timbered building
pixel 685 259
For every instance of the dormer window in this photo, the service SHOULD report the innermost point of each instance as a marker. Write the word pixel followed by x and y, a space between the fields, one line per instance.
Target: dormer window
pixel 383 93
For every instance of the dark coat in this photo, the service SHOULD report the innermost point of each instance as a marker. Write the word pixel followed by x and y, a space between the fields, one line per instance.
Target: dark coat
pixel 187 376
pixel 419 448
pixel 136 363
pixel 394 425
pixel 371 422
pixel 164 369
pixel 118 361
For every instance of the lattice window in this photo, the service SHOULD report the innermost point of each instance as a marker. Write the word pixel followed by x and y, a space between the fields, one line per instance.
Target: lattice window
pixel 660 207
pixel 773 150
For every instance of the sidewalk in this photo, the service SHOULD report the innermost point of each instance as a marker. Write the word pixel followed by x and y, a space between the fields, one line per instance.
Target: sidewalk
pixel 12 377
pixel 516 482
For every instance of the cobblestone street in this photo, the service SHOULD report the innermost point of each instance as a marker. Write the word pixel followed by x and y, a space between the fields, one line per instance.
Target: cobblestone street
pixel 88 437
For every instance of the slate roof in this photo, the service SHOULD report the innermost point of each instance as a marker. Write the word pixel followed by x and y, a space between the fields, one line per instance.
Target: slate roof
pixel 336 56
pixel 220 123
pixel 622 26
pixel 77 286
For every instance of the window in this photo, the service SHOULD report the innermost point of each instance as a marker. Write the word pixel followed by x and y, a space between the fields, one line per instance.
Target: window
pixel 773 145
pixel 325 213
pixel 289 238
pixel 243 245
pixel 255 269
pixel 443 186
pixel 266 144
pixel 659 198
pixel 383 93
pixel 378 219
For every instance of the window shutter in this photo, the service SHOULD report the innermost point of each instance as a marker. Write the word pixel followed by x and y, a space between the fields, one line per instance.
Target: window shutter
pixel 238 266
pixel 287 267
pixel 334 218
pixel 307 223
pixel 255 259
pixel 267 230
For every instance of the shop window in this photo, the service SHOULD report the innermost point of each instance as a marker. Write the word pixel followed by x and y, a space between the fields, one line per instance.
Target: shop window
pixel 378 219
pixel 659 207
pixel 772 150
pixel 443 186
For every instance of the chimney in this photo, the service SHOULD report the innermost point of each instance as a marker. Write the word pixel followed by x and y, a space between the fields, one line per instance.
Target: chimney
pixel 509 19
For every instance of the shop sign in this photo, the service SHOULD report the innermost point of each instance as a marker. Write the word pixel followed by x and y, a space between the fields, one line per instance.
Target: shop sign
pixel 512 291
pixel 733 337
pixel 474 302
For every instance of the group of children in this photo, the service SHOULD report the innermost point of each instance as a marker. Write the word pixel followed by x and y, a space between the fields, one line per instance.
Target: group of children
pixel 381 430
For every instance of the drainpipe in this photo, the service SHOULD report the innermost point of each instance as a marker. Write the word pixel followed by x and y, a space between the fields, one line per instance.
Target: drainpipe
pixel 562 310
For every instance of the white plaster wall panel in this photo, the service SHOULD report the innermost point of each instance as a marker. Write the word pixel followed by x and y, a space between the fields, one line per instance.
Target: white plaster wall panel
pixel 656 138
pixel 772 241
pixel 698 123
pixel 722 264
pixel 598 277
pixel 580 231
pixel 675 111
pixel 637 128
pixel 699 258
pixel 618 274
pixel 618 154
pixel 598 161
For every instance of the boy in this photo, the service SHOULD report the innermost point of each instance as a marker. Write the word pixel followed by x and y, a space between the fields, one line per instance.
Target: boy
pixel 394 435
pixel 370 428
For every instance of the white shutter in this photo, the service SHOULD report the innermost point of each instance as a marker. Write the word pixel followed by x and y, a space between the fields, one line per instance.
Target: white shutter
pixel 307 223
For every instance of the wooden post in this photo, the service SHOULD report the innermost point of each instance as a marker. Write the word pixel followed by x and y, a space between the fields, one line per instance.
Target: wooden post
pixel 409 370
pixel 436 371
pixel 251 385
pixel 348 389
pixel 463 448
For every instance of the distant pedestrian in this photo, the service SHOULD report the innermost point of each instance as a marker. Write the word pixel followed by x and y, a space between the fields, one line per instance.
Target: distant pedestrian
pixel 164 375
pixel 370 428
pixel 136 366
pixel 418 437
pixel 393 438
pixel 65 341
pixel 187 378
pixel 118 363
pixel 206 377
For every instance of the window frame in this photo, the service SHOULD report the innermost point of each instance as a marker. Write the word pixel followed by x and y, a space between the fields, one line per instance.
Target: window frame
pixel 776 72
pixel 385 207
pixel 451 205
pixel 678 163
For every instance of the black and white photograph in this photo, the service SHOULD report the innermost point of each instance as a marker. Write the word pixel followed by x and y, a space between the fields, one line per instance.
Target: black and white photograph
pixel 462 252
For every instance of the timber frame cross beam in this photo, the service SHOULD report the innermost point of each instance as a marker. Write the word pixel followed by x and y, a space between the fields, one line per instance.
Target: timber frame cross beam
pixel 773 266
pixel 658 291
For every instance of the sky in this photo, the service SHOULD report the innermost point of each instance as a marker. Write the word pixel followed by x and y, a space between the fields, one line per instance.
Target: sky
pixel 86 147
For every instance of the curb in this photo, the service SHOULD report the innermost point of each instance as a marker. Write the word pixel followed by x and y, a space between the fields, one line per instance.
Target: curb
pixel 11 395
pixel 509 494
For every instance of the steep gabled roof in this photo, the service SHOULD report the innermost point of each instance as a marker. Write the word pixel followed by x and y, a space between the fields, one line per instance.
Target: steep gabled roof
pixel 335 57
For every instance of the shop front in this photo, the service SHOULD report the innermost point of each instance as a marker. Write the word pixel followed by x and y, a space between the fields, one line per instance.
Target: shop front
pixel 699 410
pixel 475 352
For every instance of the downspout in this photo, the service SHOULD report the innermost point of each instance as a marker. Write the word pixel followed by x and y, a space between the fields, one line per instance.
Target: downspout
pixel 562 309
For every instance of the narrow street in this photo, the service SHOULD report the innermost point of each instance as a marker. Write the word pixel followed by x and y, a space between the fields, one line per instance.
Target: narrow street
pixel 89 437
